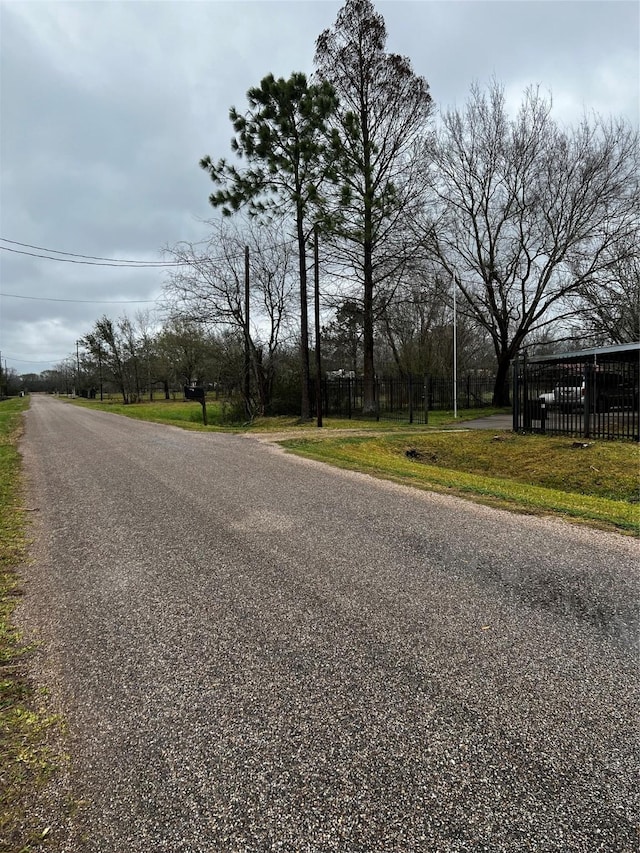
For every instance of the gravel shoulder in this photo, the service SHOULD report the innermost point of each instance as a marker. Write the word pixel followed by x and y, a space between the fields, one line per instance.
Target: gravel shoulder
pixel 256 652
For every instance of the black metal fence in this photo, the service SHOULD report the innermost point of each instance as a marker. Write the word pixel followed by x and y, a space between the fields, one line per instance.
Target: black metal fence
pixel 591 394
pixel 409 398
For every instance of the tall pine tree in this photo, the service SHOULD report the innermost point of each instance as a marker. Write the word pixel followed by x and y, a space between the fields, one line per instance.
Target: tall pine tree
pixel 283 140
pixel 384 113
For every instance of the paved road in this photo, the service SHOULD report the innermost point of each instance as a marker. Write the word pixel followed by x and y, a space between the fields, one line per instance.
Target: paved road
pixel 260 653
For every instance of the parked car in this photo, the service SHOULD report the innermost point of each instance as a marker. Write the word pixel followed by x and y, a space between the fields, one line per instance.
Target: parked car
pixel 610 390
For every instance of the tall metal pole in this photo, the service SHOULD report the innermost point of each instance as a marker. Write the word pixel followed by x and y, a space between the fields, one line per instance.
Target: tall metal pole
pixel 455 350
pixel 316 280
pixel 247 354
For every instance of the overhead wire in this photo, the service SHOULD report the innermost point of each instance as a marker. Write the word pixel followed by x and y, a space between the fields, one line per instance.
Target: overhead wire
pixel 75 254
pixel 82 301
pixel 118 264
pixel 95 260
pixel 124 263
pixel 29 361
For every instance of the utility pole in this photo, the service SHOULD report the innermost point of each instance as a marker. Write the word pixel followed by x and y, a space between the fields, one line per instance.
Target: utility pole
pixel 76 390
pixel 78 365
pixel 100 370
pixel 247 353
pixel 455 351
pixel 149 372
pixel 316 281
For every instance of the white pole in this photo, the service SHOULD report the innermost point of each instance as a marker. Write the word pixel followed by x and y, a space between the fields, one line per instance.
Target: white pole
pixel 455 351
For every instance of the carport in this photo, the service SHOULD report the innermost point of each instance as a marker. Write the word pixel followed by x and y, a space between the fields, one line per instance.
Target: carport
pixel 592 393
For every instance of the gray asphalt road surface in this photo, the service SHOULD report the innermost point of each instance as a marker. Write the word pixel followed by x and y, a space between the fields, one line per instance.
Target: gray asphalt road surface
pixel 256 653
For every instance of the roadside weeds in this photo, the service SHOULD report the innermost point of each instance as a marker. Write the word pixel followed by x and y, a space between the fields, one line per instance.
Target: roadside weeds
pixel 27 755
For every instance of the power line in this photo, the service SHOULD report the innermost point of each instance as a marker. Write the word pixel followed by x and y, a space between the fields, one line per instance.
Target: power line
pixel 82 301
pixel 42 361
pixel 75 254
pixel 141 265
pixel 123 263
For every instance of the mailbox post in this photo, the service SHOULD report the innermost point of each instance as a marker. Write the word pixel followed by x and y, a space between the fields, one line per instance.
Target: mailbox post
pixel 197 393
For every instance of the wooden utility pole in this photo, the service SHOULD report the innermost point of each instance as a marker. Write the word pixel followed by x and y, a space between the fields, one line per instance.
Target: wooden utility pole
pixel 100 370
pixel 247 353
pixel 455 349
pixel 316 281
pixel 77 389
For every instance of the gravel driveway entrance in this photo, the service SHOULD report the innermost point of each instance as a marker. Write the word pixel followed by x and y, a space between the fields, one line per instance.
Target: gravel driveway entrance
pixel 260 653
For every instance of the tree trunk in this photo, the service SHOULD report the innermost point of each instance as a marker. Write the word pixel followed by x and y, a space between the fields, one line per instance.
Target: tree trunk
pixel 369 402
pixel 501 390
pixel 262 383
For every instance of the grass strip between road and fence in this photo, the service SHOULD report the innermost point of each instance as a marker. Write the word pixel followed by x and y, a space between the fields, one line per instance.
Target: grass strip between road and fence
pixel 594 482
pixel 26 759
pixel 599 480
pixel 225 416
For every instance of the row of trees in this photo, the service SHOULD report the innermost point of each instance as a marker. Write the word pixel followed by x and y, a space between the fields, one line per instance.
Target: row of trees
pixel 533 226
pixel 143 357
pixel 534 222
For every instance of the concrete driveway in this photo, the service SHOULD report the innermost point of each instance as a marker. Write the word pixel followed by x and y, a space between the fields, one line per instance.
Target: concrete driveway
pixel 495 422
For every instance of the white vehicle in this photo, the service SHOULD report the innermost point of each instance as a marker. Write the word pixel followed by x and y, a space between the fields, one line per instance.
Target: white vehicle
pixel 548 399
pixel 341 374
pixel 570 393
pixel 609 390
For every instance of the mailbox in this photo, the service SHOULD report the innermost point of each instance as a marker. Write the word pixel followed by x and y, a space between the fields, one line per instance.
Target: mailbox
pixel 195 393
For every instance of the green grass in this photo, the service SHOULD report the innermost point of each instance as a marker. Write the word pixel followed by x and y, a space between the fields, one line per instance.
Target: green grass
pixel 224 415
pixel 26 760
pixel 437 420
pixel 597 484
pixel 175 412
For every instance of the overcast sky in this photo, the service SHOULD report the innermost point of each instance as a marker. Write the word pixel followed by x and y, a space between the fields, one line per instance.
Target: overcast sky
pixel 107 107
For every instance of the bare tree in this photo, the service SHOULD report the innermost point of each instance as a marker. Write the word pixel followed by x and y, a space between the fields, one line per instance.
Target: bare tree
pixel 132 349
pixel 384 110
pixel 610 303
pixel 524 214
pixel 417 327
pixel 209 288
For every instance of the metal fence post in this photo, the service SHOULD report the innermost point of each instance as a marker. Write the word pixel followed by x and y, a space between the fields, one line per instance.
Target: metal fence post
pixel 411 398
pixel 589 398
pixel 425 391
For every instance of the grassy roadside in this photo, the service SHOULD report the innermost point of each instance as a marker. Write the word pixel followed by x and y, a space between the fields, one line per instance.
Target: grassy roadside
pixel 188 415
pixel 597 483
pixel 25 760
